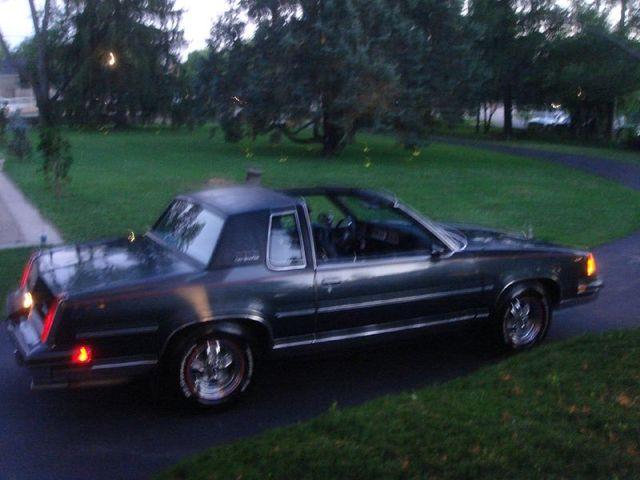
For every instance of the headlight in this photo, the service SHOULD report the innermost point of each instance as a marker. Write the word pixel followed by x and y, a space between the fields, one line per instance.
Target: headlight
pixel 591 265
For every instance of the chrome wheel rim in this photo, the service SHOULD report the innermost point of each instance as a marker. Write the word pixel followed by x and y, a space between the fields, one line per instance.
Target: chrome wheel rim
pixel 213 369
pixel 524 321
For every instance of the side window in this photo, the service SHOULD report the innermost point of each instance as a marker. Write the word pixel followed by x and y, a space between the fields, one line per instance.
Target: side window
pixel 285 243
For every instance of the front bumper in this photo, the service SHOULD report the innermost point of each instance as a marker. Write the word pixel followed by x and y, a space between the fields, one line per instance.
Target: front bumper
pixel 51 367
pixel 587 292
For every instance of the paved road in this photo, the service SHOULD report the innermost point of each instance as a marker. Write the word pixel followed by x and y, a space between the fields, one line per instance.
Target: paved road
pixel 625 173
pixel 122 433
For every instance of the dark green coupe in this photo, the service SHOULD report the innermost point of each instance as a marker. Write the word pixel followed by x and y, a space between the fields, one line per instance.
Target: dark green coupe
pixel 230 274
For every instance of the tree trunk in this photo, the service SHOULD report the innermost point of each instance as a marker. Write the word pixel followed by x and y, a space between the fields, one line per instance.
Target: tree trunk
pixel 623 16
pixel 478 120
pixel 508 111
pixel 608 133
pixel 332 137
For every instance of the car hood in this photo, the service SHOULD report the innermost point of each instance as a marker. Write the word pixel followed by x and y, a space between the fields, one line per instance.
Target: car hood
pixel 109 264
pixel 482 238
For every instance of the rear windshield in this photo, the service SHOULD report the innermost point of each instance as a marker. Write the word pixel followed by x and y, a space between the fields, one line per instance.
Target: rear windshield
pixel 191 229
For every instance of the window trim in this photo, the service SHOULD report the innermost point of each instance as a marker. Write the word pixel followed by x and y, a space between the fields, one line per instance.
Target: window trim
pixel 276 268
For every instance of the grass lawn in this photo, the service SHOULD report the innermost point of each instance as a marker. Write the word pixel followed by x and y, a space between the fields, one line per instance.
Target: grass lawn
pixel 565 410
pixel 597 152
pixel 11 263
pixel 551 143
pixel 123 180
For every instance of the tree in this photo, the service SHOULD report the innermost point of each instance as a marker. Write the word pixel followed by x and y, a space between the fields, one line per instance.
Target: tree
pixel 129 51
pixel 512 37
pixel 55 150
pixel 317 72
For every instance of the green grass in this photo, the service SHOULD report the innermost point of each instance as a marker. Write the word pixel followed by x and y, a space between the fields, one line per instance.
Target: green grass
pixel 122 181
pixel 548 142
pixel 566 410
pixel 617 154
pixel 11 263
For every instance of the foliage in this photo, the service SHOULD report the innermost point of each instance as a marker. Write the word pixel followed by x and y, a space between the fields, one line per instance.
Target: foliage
pixel 564 410
pixel 122 180
pixel 19 144
pixel 4 122
pixel 320 71
pixel 118 58
pixel 57 157
pixel 512 38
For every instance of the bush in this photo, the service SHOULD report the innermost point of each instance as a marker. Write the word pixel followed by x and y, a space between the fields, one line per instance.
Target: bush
pixel 57 157
pixel 19 144
pixel 4 121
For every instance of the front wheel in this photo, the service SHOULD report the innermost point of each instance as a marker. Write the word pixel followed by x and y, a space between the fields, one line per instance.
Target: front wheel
pixel 210 370
pixel 523 317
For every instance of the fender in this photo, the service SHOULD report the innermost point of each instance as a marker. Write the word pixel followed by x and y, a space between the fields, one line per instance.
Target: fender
pixel 545 281
pixel 227 323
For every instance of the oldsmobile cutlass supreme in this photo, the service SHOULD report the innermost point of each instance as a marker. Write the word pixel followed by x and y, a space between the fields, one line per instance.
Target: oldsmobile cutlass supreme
pixel 229 274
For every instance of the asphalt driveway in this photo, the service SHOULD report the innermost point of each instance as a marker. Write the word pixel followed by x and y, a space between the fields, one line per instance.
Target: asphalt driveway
pixel 123 433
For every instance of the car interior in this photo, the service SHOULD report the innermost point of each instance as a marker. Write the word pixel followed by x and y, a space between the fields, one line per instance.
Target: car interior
pixel 354 228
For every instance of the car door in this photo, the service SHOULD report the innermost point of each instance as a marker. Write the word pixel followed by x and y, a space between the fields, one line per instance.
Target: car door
pixel 381 294
pixel 397 289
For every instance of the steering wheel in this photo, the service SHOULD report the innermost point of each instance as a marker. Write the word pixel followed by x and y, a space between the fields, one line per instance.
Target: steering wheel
pixel 344 234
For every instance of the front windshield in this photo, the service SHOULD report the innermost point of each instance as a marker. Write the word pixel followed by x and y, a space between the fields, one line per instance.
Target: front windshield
pixel 190 228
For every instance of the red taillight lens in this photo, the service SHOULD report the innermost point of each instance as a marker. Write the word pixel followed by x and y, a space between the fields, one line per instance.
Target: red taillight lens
pixel 81 355
pixel 27 271
pixel 48 320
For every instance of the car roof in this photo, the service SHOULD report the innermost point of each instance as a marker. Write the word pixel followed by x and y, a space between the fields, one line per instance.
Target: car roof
pixel 238 199
pixel 329 190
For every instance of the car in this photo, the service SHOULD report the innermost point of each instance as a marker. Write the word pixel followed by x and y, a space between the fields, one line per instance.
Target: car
pixel 546 120
pixel 231 274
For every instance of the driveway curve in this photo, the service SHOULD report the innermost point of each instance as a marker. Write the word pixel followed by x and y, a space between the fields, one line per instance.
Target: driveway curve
pixel 123 433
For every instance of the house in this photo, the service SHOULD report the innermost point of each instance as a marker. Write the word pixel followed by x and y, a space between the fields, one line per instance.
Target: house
pixel 17 97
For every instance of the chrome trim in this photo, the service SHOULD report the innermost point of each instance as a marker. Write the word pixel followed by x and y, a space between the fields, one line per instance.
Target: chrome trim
pixel 270 266
pixel 312 241
pixel 438 232
pixel 392 301
pixel 373 262
pixel 370 330
pixel 132 363
pixel 296 313
pixel 118 332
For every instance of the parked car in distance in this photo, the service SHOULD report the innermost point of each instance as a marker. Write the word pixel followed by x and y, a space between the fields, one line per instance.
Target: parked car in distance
pixel 549 119
pixel 230 274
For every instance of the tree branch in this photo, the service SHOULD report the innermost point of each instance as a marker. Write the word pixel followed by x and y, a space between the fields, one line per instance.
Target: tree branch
pixel 34 17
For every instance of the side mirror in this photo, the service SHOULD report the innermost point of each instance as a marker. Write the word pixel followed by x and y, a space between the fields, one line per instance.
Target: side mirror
pixel 437 250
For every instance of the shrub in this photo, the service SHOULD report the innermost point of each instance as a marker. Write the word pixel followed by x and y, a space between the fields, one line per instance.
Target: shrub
pixel 19 144
pixel 57 157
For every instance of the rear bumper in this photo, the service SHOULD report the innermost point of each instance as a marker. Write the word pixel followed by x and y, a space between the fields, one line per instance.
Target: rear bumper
pixel 52 368
pixel 587 292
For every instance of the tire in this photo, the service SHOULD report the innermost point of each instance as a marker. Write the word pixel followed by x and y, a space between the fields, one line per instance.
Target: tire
pixel 209 370
pixel 523 317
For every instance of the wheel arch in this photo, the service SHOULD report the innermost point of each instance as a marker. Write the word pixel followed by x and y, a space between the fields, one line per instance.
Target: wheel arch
pixel 550 287
pixel 252 328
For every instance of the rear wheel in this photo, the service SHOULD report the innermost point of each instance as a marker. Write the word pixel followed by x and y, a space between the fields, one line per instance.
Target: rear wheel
pixel 210 370
pixel 523 317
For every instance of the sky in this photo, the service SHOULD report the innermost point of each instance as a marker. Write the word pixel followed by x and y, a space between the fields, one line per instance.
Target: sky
pixel 197 19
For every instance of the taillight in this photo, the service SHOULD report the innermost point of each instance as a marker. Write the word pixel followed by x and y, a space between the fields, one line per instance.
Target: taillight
pixel 81 355
pixel 591 265
pixel 26 272
pixel 48 319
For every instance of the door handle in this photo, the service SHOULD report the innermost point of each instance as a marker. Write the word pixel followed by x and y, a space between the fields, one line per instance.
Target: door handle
pixel 331 281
